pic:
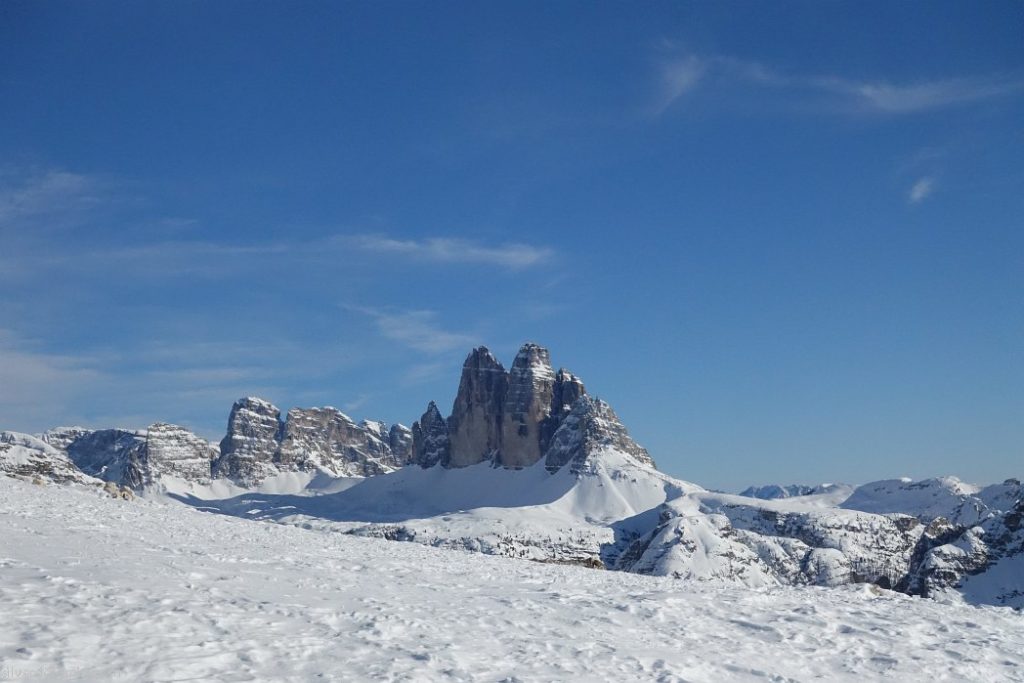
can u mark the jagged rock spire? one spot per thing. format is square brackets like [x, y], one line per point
[527, 406]
[590, 427]
[430, 438]
[475, 422]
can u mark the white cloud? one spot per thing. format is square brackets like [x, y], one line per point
[417, 330]
[678, 78]
[876, 96]
[423, 373]
[452, 250]
[920, 190]
[44, 193]
[893, 98]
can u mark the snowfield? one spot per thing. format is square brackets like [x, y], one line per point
[100, 589]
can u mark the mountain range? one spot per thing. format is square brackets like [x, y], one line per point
[528, 464]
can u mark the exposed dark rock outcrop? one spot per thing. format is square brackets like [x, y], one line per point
[248, 449]
[32, 458]
[514, 419]
[327, 439]
[527, 407]
[400, 440]
[475, 426]
[591, 427]
[431, 443]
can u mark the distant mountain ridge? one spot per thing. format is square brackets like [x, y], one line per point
[258, 446]
[777, 491]
[529, 465]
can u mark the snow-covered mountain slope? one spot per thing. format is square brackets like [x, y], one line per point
[576, 514]
[708, 536]
[927, 499]
[96, 589]
[776, 491]
[32, 458]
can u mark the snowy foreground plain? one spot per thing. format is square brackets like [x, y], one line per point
[98, 589]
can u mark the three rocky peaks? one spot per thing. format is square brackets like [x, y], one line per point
[516, 417]
[510, 418]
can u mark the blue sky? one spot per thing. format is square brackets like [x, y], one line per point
[784, 240]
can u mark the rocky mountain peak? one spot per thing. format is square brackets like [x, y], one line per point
[177, 452]
[475, 422]
[532, 357]
[431, 444]
[253, 435]
[527, 406]
[511, 418]
[590, 428]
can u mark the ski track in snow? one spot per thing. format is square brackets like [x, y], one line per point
[96, 589]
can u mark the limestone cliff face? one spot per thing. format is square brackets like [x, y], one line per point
[247, 450]
[136, 459]
[590, 427]
[35, 459]
[475, 426]
[327, 439]
[115, 455]
[175, 451]
[512, 419]
[259, 445]
[527, 406]
[568, 389]
[431, 443]
[400, 440]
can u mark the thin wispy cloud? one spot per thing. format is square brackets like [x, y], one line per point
[917, 97]
[682, 77]
[678, 78]
[423, 373]
[418, 330]
[510, 255]
[45, 193]
[31, 378]
[40, 389]
[920, 190]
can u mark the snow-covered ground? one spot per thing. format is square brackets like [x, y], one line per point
[100, 589]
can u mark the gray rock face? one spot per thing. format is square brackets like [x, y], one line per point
[115, 455]
[258, 445]
[248, 449]
[568, 388]
[175, 451]
[28, 457]
[475, 425]
[431, 443]
[516, 418]
[400, 440]
[135, 459]
[590, 427]
[527, 406]
[327, 439]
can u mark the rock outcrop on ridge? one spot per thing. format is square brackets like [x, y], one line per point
[32, 458]
[518, 417]
[259, 445]
[136, 459]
